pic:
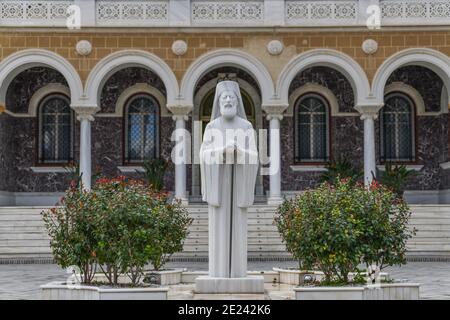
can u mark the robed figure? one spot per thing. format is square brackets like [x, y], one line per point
[229, 166]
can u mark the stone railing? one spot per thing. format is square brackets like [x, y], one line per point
[232, 13]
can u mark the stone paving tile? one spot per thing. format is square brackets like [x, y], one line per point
[23, 281]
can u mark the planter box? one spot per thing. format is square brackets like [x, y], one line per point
[392, 291]
[296, 277]
[388, 291]
[329, 293]
[165, 277]
[61, 291]
[292, 276]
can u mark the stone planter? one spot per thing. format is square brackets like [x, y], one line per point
[296, 276]
[392, 291]
[292, 276]
[164, 277]
[62, 291]
[387, 291]
[329, 293]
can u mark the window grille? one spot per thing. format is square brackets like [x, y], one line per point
[311, 129]
[55, 130]
[397, 129]
[142, 129]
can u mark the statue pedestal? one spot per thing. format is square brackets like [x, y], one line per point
[249, 284]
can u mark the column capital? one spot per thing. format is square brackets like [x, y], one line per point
[271, 116]
[177, 117]
[369, 111]
[85, 112]
[274, 111]
[180, 110]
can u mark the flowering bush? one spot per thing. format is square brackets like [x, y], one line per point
[337, 227]
[120, 226]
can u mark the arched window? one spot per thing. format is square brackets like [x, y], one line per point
[311, 129]
[55, 130]
[397, 128]
[141, 129]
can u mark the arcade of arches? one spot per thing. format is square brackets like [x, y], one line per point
[322, 109]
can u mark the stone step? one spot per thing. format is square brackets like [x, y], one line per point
[23, 236]
[24, 243]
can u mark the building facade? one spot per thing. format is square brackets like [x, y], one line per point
[365, 80]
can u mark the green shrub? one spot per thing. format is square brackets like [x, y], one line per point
[71, 230]
[337, 227]
[128, 224]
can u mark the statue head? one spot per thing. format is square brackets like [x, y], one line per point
[228, 102]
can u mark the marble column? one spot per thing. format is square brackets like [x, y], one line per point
[369, 114]
[181, 157]
[180, 154]
[85, 115]
[274, 116]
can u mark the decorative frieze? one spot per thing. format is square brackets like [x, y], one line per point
[34, 12]
[211, 12]
[304, 12]
[113, 12]
[421, 11]
[176, 13]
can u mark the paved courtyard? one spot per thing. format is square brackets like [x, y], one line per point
[23, 281]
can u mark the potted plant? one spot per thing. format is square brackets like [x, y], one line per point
[342, 168]
[110, 235]
[395, 177]
[154, 171]
[336, 229]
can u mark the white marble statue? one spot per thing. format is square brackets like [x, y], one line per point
[229, 166]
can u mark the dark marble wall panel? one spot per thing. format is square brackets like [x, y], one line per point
[6, 152]
[108, 132]
[25, 155]
[331, 79]
[23, 87]
[124, 79]
[425, 81]
[22, 137]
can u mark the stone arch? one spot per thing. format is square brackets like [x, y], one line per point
[328, 58]
[226, 57]
[26, 59]
[318, 89]
[137, 89]
[254, 95]
[130, 58]
[428, 58]
[412, 93]
[41, 93]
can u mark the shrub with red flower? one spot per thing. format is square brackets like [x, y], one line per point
[336, 228]
[120, 226]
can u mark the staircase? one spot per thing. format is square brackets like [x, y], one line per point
[432, 239]
[23, 236]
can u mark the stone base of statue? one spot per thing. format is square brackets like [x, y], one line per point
[250, 284]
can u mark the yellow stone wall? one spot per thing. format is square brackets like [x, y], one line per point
[105, 42]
